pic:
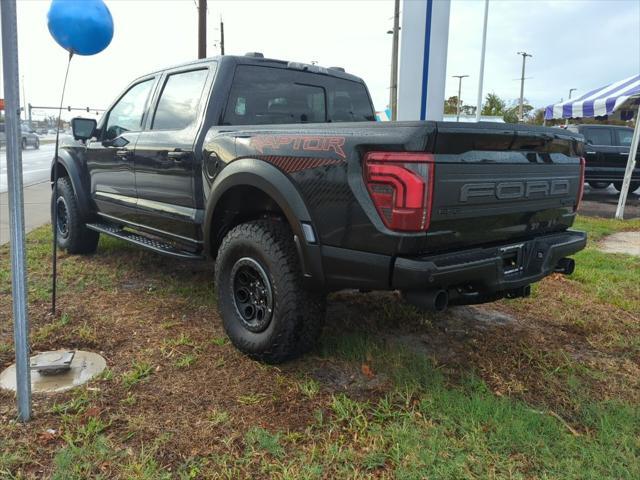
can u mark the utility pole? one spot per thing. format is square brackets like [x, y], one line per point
[482, 54]
[202, 28]
[459, 77]
[524, 60]
[221, 37]
[393, 84]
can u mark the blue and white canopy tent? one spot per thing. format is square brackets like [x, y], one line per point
[620, 99]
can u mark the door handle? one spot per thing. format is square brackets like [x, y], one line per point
[177, 155]
[591, 153]
[123, 154]
[624, 153]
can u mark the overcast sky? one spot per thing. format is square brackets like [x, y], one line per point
[574, 43]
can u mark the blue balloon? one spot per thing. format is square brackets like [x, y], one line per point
[83, 27]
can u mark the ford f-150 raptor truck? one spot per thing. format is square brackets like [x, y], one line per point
[279, 171]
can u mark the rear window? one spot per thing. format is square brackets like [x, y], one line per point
[598, 136]
[265, 95]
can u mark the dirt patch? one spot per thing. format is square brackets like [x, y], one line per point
[622, 242]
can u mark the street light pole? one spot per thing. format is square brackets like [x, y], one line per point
[459, 77]
[202, 28]
[524, 60]
[221, 37]
[393, 84]
[482, 54]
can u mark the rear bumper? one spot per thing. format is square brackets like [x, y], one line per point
[484, 270]
[478, 271]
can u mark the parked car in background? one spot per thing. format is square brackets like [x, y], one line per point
[606, 154]
[29, 137]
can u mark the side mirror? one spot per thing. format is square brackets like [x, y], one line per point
[83, 128]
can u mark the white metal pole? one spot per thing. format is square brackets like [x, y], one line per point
[482, 54]
[631, 165]
[16, 206]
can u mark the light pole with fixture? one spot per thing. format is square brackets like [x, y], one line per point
[459, 77]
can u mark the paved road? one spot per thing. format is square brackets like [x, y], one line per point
[35, 165]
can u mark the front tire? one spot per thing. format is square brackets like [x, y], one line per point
[265, 311]
[37, 144]
[73, 235]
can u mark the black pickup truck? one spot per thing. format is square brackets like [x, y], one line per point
[606, 154]
[279, 171]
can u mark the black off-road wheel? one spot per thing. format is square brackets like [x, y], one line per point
[73, 235]
[633, 186]
[265, 311]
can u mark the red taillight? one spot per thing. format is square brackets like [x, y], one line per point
[401, 187]
[581, 185]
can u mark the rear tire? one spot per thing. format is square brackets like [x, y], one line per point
[265, 311]
[24, 144]
[73, 235]
[37, 144]
[633, 186]
[599, 185]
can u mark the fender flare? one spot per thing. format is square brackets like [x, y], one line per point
[76, 174]
[267, 178]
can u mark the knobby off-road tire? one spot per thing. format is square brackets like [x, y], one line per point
[73, 235]
[258, 259]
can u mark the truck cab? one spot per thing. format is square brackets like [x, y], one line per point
[606, 153]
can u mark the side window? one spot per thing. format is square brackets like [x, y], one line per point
[180, 100]
[598, 136]
[126, 115]
[624, 137]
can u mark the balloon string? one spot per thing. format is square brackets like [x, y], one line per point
[54, 205]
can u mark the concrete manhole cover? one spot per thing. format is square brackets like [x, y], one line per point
[622, 242]
[83, 367]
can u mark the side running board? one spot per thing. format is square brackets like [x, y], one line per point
[157, 246]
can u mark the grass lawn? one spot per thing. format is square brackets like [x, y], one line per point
[538, 388]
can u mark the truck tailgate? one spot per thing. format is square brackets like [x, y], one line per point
[496, 183]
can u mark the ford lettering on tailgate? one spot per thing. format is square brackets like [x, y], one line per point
[514, 190]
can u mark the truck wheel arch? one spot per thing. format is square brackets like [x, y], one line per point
[267, 179]
[67, 167]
